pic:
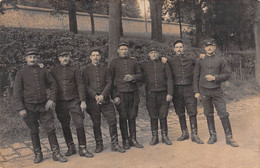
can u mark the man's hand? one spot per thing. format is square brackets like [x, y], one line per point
[83, 106]
[50, 105]
[210, 78]
[202, 56]
[197, 96]
[128, 78]
[117, 101]
[23, 113]
[168, 98]
[100, 99]
[164, 60]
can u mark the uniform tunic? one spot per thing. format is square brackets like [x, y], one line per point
[30, 94]
[126, 91]
[211, 92]
[70, 93]
[182, 67]
[159, 83]
[97, 80]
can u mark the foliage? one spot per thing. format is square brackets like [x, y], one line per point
[229, 22]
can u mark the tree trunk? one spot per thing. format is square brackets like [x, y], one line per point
[72, 16]
[179, 13]
[114, 28]
[156, 12]
[121, 23]
[257, 42]
[198, 22]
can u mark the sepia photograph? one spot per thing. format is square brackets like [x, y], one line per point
[130, 83]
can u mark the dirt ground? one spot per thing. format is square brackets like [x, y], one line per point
[245, 121]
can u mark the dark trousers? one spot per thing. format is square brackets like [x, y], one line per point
[106, 108]
[70, 109]
[36, 113]
[128, 108]
[157, 105]
[211, 98]
[183, 96]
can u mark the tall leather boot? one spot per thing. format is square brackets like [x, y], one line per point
[228, 132]
[132, 130]
[184, 129]
[154, 129]
[194, 130]
[56, 156]
[98, 138]
[114, 139]
[69, 141]
[212, 130]
[82, 143]
[37, 148]
[164, 131]
[124, 133]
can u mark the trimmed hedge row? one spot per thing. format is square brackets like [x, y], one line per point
[14, 41]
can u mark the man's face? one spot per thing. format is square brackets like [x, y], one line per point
[95, 57]
[154, 55]
[123, 51]
[178, 48]
[64, 59]
[31, 59]
[210, 49]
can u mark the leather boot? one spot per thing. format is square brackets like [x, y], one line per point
[194, 130]
[124, 133]
[69, 140]
[71, 150]
[132, 130]
[164, 131]
[56, 156]
[37, 148]
[114, 139]
[98, 138]
[228, 132]
[82, 143]
[212, 130]
[184, 129]
[154, 129]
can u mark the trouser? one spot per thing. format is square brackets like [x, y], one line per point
[157, 105]
[108, 111]
[211, 98]
[128, 111]
[67, 110]
[36, 113]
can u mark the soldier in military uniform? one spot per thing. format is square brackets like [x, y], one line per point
[159, 90]
[182, 66]
[32, 103]
[70, 102]
[98, 83]
[209, 73]
[125, 73]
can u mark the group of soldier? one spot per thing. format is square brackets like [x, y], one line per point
[180, 78]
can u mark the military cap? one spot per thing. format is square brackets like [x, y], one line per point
[153, 49]
[122, 44]
[30, 51]
[208, 41]
[63, 51]
[177, 41]
[95, 49]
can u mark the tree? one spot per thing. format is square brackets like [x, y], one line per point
[257, 41]
[114, 28]
[69, 5]
[89, 7]
[156, 17]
